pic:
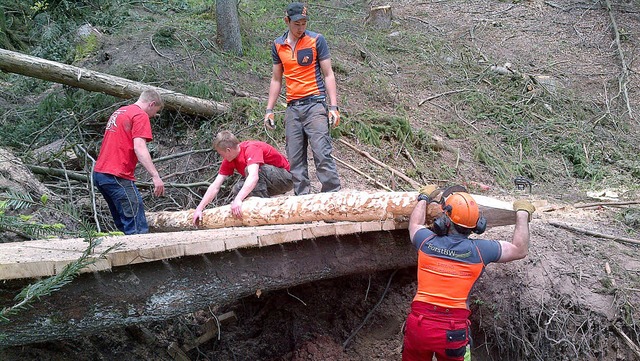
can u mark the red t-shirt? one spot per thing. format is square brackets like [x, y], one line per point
[254, 152]
[117, 156]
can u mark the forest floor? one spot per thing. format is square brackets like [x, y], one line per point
[573, 298]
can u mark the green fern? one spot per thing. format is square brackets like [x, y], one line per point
[30, 230]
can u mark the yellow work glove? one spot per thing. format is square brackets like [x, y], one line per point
[524, 205]
[334, 116]
[269, 119]
[427, 189]
[431, 190]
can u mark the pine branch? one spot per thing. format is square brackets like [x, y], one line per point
[18, 201]
[46, 287]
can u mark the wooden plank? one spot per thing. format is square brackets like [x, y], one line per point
[348, 228]
[390, 225]
[280, 237]
[26, 270]
[42, 258]
[319, 229]
[176, 353]
[212, 246]
[372, 226]
[211, 330]
[249, 240]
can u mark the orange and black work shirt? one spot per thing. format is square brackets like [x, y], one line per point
[301, 64]
[449, 266]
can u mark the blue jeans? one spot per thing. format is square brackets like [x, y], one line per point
[125, 202]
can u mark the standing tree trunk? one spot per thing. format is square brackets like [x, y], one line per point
[228, 26]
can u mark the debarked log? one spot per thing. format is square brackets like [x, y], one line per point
[354, 206]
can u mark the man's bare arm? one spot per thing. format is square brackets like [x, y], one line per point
[142, 152]
[416, 220]
[518, 248]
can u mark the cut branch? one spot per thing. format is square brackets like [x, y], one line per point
[371, 179]
[393, 170]
[627, 340]
[80, 177]
[594, 234]
[624, 77]
[606, 204]
[442, 94]
[32, 66]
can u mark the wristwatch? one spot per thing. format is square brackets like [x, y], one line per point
[423, 197]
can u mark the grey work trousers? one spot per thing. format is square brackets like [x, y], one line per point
[271, 181]
[309, 125]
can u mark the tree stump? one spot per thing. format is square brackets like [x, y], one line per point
[380, 17]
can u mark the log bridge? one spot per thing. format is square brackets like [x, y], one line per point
[279, 243]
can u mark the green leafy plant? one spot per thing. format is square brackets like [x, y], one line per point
[164, 37]
[372, 127]
[630, 217]
[87, 47]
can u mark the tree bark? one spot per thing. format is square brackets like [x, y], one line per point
[354, 206]
[228, 26]
[380, 17]
[32, 66]
[155, 291]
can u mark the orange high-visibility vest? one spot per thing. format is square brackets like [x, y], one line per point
[449, 266]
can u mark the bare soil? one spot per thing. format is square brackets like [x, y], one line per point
[572, 298]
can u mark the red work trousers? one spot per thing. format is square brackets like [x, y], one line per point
[435, 330]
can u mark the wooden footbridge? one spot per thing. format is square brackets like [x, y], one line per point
[157, 276]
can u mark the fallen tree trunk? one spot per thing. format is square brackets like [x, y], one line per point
[155, 291]
[13, 62]
[354, 206]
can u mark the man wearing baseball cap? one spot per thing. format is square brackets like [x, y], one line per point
[302, 57]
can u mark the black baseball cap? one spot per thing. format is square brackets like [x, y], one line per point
[296, 11]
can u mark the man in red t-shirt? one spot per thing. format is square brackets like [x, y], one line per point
[124, 144]
[265, 172]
